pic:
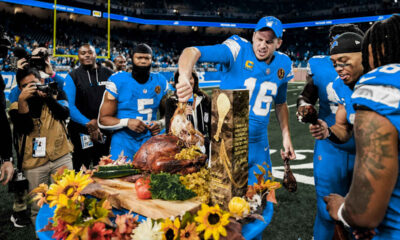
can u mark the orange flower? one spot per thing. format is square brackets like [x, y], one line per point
[190, 233]
[99, 232]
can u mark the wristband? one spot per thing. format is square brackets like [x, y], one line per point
[54, 74]
[340, 216]
[161, 122]
[123, 122]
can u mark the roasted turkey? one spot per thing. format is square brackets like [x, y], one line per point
[158, 155]
[183, 129]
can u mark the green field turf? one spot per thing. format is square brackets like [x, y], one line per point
[293, 215]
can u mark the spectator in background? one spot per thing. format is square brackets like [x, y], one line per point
[85, 87]
[109, 64]
[39, 120]
[120, 63]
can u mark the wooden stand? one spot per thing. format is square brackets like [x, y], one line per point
[229, 145]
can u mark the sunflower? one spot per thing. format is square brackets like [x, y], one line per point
[212, 220]
[70, 186]
[170, 229]
[189, 233]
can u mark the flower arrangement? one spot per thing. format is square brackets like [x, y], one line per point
[77, 216]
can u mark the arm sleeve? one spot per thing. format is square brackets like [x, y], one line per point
[59, 107]
[111, 87]
[70, 91]
[219, 53]
[23, 123]
[281, 96]
[60, 80]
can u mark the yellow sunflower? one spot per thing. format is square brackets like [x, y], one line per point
[189, 233]
[170, 229]
[212, 220]
[69, 186]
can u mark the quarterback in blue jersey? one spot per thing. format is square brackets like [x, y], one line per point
[333, 163]
[254, 66]
[259, 68]
[130, 104]
[373, 200]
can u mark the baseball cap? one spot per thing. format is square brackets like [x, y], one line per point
[272, 23]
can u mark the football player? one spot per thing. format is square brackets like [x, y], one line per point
[373, 200]
[257, 67]
[130, 104]
[262, 70]
[333, 163]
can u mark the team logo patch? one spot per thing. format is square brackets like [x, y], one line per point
[145, 91]
[249, 65]
[157, 89]
[268, 71]
[281, 73]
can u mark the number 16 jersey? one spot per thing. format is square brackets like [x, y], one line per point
[242, 70]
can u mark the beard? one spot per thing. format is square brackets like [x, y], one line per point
[141, 73]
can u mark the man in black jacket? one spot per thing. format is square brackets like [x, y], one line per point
[7, 169]
[84, 87]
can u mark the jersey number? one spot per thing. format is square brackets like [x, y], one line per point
[262, 98]
[143, 110]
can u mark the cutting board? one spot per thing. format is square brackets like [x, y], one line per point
[122, 194]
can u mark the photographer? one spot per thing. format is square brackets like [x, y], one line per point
[39, 126]
[7, 168]
[39, 60]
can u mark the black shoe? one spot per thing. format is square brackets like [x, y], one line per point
[20, 219]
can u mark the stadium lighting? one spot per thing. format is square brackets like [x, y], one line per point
[370, 23]
[395, 1]
[284, 30]
[18, 10]
[306, 28]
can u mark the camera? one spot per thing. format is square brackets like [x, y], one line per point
[19, 183]
[48, 88]
[5, 43]
[37, 61]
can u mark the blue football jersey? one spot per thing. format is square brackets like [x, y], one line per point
[344, 97]
[135, 100]
[323, 73]
[321, 69]
[379, 90]
[265, 82]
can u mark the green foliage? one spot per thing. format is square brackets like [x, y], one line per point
[168, 187]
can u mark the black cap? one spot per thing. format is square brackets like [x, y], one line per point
[346, 43]
[143, 48]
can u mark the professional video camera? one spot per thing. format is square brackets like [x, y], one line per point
[37, 61]
[48, 88]
[5, 43]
